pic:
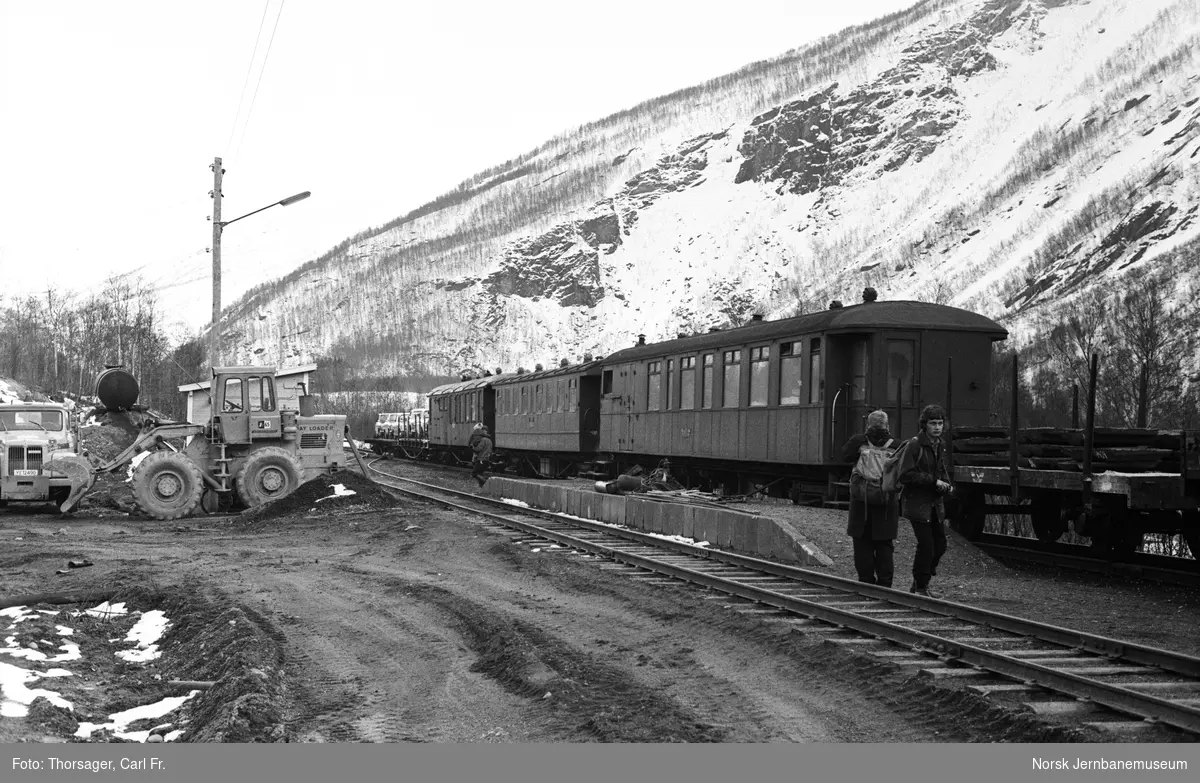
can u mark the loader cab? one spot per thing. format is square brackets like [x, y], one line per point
[245, 407]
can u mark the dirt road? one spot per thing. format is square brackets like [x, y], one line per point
[413, 623]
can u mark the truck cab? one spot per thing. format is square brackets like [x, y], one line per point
[32, 434]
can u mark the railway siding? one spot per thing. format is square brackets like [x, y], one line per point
[724, 528]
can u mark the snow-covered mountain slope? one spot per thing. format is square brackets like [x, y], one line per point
[998, 155]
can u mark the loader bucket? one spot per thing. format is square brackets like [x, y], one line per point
[79, 470]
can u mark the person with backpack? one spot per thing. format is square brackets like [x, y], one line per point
[925, 480]
[874, 514]
[481, 447]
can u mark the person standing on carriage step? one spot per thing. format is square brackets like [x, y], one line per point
[482, 453]
[874, 515]
[925, 481]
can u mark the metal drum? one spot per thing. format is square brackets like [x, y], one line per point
[117, 389]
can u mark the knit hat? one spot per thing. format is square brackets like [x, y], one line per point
[877, 419]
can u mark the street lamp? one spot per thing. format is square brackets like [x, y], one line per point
[218, 227]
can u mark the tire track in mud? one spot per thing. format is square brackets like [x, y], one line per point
[589, 698]
[363, 671]
[800, 689]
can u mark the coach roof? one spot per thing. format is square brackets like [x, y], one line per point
[856, 318]
[571, 369]
[474, 383]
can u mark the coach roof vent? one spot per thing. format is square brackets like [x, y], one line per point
[681, 335]
[714, 329]
[641, 339]
[870, 294]
[756, 318]
[836, 304]
[587, 357]
[564, 363]
[538, 367]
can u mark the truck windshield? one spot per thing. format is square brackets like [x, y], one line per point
[48, 420]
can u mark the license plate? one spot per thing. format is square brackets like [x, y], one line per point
[25, 472]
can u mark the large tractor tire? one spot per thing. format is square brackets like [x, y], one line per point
[167, 485]
[268, 474]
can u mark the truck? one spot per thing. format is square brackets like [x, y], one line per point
[252, 448]
[32, 435]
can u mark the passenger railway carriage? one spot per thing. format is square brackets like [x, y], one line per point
[776, 400]
[549, 422]
[454, 410]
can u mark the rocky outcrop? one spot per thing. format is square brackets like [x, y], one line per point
[563, 264]
[560, 265]
[823, 139]
[1125, 244]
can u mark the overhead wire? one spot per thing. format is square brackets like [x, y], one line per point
[249, 70]
[257, 84]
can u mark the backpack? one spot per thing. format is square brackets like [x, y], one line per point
[866, 480]
[891, 468]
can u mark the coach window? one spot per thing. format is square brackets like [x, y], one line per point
[760, 364]
[524, 399]
[790, 383]
[571, 395]
[606, 382]
[900, 370]
[667, 384]
[687, 383]
[815, 382]
[733, 379]
[653, 385]
[859, 373]
[706, 382]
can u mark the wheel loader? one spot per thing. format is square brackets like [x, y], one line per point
[250, 451]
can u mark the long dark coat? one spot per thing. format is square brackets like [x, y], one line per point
[879, 522]
[924, 463]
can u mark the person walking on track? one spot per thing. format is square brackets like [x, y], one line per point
[481, 448]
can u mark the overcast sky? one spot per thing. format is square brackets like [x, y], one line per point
[113, 112]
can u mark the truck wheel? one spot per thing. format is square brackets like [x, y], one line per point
[268, 474]
[167, 485]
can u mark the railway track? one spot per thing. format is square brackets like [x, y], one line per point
[1155, 568]
[1103, 683]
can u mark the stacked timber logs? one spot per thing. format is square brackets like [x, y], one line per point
[1118, 450]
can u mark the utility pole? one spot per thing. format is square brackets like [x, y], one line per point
[214, 338]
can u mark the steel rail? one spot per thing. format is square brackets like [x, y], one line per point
[1132, 569]
[645, 552]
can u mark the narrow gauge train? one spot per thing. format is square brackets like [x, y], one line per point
[765, 407]
[762, 407]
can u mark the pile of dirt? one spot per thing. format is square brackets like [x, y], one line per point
[338, 493]
[105, 441]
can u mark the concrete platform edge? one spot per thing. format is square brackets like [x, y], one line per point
[727, 529]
